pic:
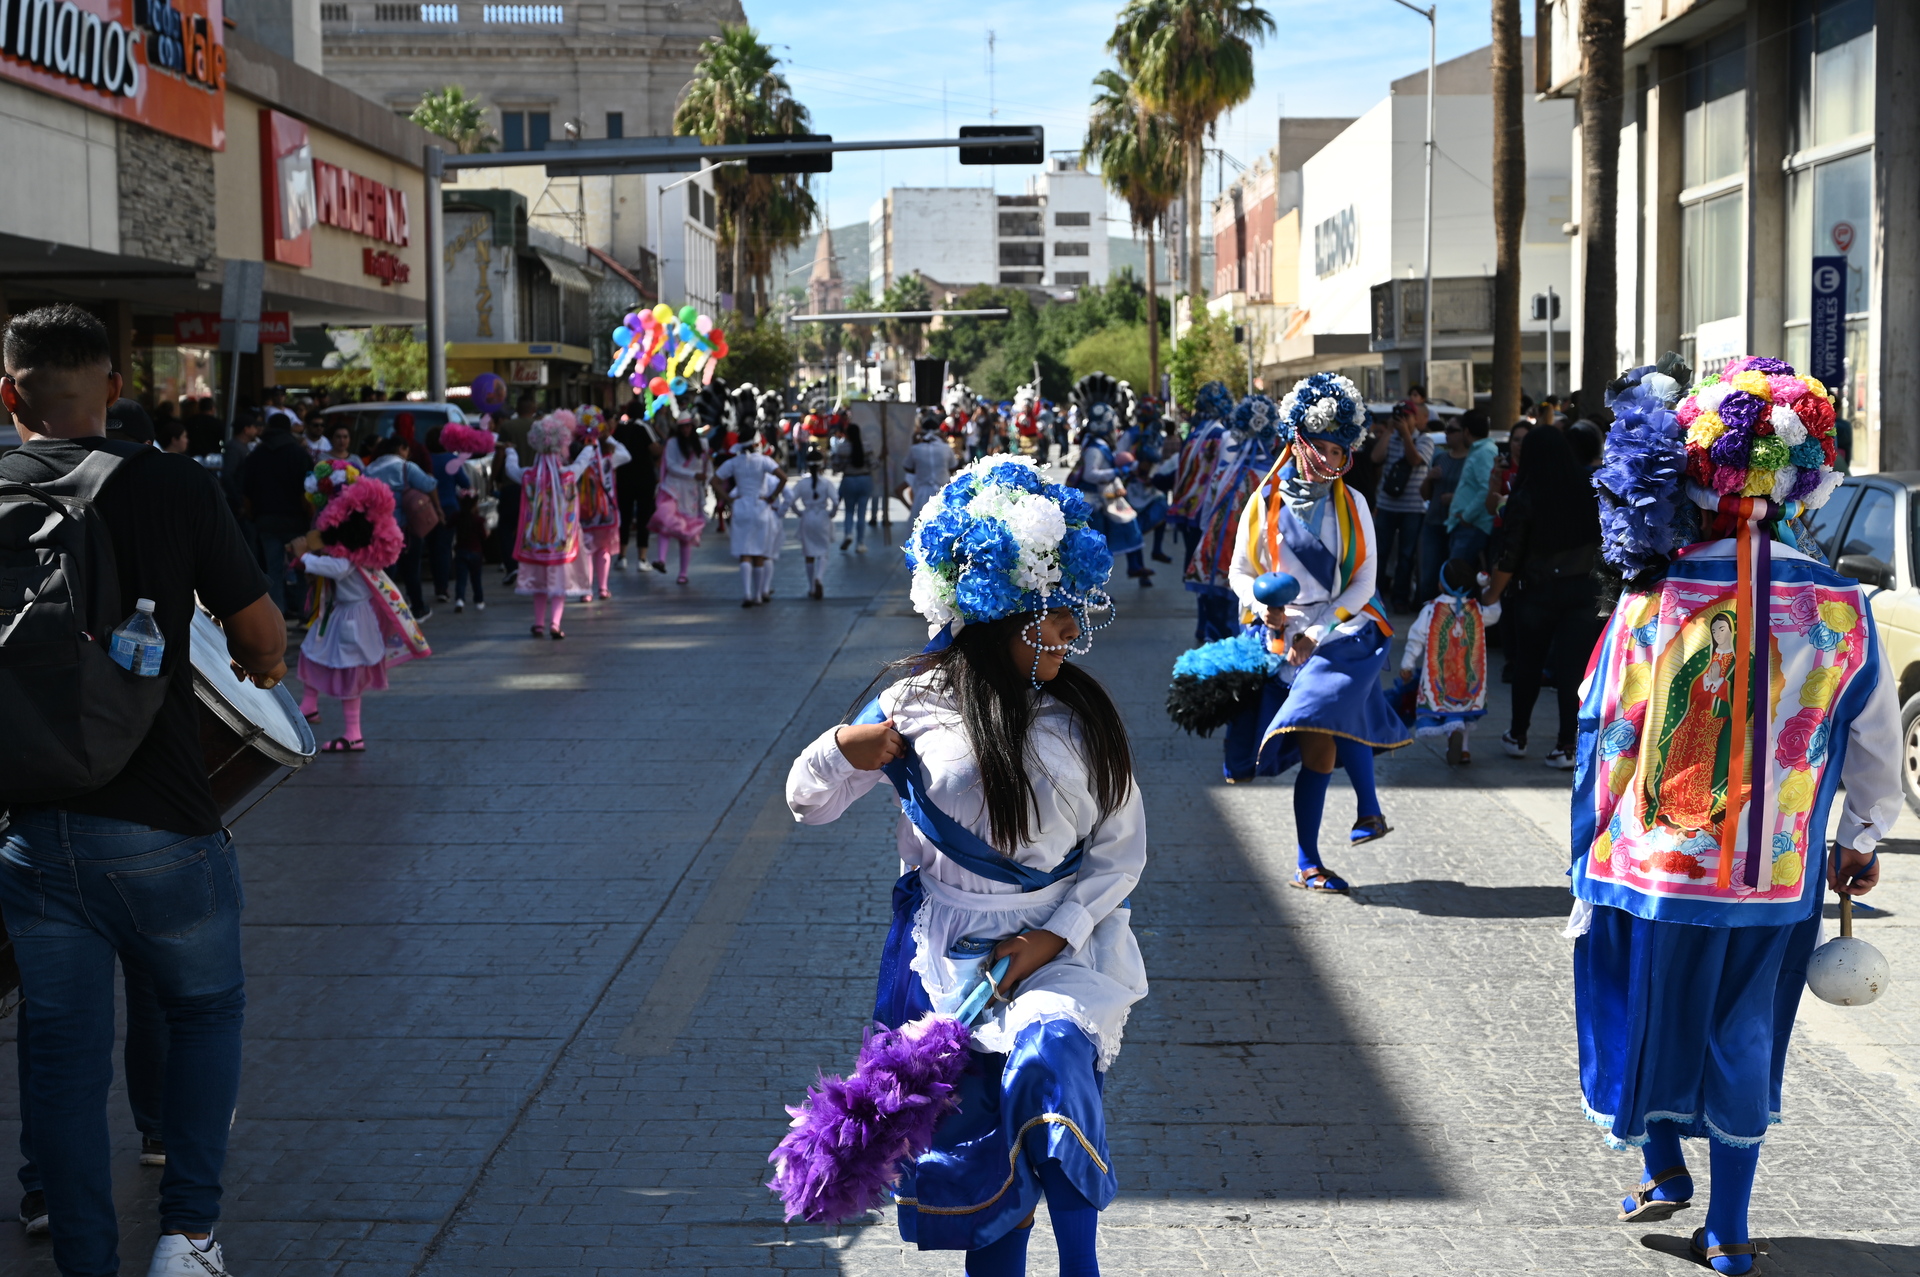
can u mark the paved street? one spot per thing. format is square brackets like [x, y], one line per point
[531, 979]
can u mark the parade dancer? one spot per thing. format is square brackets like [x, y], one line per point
[1101, 474]
[929, 462]
[680, 502]
[360, 623]
[1305, 522]
[1243, 456]
[1705, 776]
[753, 482]
[1024, 836]
[599, 503]
[549, 534]
[1446, 650]
[1212, 407]
[817, 500]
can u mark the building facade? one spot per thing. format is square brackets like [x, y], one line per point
[1052, 237]
[1757, 137]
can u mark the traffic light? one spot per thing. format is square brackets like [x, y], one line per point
[1024, 144]
[1541, 308]
[805, 162]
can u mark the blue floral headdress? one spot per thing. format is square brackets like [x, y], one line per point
[1000, 540]
[1324, 406]
[1212, 402]
[1256, 417]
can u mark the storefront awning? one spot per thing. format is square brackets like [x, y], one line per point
[565, 273]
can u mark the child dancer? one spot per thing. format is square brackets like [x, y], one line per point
[1448, 646]
[680, 501]
[753, 529]
[1304, 521]
[818, 500]
[360, 623]
[599, 503]
[549, 535]
[1035, 839]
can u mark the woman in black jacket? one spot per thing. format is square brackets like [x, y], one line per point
[1552, 524]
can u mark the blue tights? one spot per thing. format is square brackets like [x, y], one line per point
[1732, 1196]
[1076, 1221]
[1310, 796]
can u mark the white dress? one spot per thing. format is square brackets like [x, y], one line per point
[753, 526]
[351, 636]
[817, 500]
[1099, 975]
[686, 482]
[928, 467]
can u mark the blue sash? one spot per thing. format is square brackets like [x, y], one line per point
[954, 840]
[1309, 551]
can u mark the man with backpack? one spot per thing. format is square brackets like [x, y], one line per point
[113, 846]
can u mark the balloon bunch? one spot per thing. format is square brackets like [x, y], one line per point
[665, 355]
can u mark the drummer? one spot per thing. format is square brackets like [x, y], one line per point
[173, 536]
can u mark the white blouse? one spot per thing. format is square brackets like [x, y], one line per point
[1315, 612]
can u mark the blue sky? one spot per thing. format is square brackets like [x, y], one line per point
[881, 70]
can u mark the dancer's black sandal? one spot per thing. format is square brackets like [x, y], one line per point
[1707, 1254]
[1648, 1209]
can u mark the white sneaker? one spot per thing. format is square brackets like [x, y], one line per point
[176, 1256]
[1562, 760]
[479, 607]
[459, 605]
[1514, 748]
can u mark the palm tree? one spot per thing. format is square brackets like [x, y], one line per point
[859, 333]
[1603, 28]
[1139, 159]
[1191, 61]
[457, 117]
[909, 292]
[1509, 208]
[736, 92]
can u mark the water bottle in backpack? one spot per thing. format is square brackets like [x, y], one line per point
[138, 644]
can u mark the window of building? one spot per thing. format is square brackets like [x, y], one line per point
[522, 14]
[1073, 219]
[1018, 224]
[1023, 276]
[1713, 213]
[1832, 70]
[1073, 278]
[1712, 235]
[1715, 127]
[616, 124]
[1072, 248]
[1022, 254]
[707, 210]
[525, 130]
[333, 13]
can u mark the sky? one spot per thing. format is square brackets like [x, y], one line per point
[874, 69]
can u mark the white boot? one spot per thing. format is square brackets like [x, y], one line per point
[176, 1256]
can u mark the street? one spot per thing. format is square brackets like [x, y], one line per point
[531, 979]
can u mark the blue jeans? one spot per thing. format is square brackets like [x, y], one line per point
[77, 892]
[1401, 530]
[855, 491]
[1433, 553]
[1464, 541]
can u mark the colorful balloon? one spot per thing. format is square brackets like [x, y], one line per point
[703, 325]
[689, 315]
[678, 386]
[663, 312]
[622, 335]
[658, 385]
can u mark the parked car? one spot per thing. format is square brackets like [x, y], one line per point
[375, 420]
[1868, 532]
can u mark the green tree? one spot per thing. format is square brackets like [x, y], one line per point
[1139, 159]
[1190, 61]
[760, 353]
[1119, 352]
[859, 332]
[1206, 352]
[388, 358]
[457, 116]
[737, 92]
[908, 336]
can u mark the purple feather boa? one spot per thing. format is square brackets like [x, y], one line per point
[851, 1134]
[1641, 482]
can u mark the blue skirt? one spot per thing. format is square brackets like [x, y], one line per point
[1337, 692]
[1039, 1102]
[1686, 1024]
[1123, 535]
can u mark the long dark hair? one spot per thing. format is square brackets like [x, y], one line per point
[996, 701]
[856, 446]
[1558, 492]
[692, 445]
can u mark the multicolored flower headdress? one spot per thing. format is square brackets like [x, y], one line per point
[1324, 406]
[553, 432]
[1756, 429]
[999, 540]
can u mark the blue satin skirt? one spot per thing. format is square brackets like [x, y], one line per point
[1686, 1024]
[1338, 692]
[1123, 535]
[1038, 1102]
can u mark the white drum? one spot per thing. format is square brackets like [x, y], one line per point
[250, 739]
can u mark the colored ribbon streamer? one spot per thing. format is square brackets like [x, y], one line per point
[1748, 701]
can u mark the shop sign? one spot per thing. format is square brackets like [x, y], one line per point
[202, 327]
[1336, 243]
[384, 266]
[360, 204]
[141, 60]
[527, 372]
[287, 199]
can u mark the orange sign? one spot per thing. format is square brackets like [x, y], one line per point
[360, 204]
[286, 180]
[142, 60]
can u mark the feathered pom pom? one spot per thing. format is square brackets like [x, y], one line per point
[851, 1134]
[1642, 481]
[1242, 653]
[1215, 682]
[459, 438]
[553, 432]
[374, 499]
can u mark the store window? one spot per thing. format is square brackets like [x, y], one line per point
[1830, 178]
[1713, 203]
[525, 130]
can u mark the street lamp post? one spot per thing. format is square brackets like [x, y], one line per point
[1426, 322]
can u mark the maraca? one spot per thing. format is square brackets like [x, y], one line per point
[1276, 589]
[1845, 971]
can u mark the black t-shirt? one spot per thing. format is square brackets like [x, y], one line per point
[173, 537]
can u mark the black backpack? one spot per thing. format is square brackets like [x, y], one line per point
[70, 717]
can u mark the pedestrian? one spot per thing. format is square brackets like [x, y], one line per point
[817, 499]
[391, 467]
[1699, 880]
[855, 468]
[1469, 516]
[1403, 451]
[1305, 522]
[1552, 538]
[205, 436]
[634, 483]
[246, 432]
[753, 528]
[469, 554]
[928, 465]
[170, 435]
[340, 443]
[95, 869]
[1443, 475]
[1245, 453]
[1446, 654]
[361, 622]
[548, 538]
[1033, 837]
[127, 420]
[680, 500]
[512, 432]
[599, 496]
[1101, 475]
[450, 481]
[273, 494]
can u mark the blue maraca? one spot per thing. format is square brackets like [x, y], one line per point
[1276, 589]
